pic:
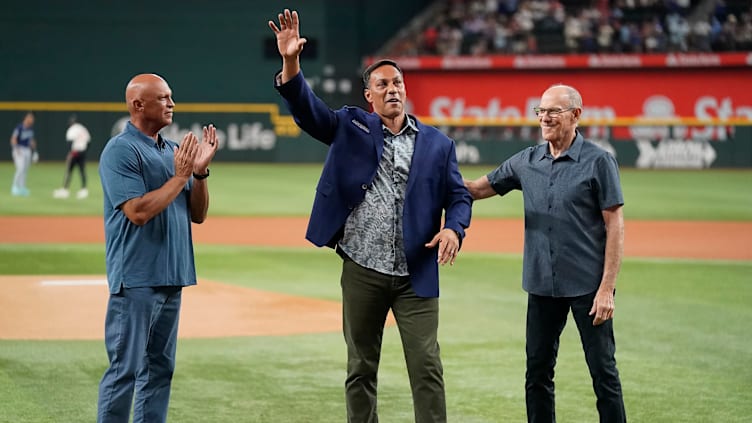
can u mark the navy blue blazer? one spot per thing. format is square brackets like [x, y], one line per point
[356, 141]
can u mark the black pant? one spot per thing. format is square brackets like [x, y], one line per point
[77, 159]
[546, 318]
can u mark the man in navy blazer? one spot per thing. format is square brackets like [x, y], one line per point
[386, 182]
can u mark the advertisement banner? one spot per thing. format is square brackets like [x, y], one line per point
[573, 61]
[641, 94]
[685, 93]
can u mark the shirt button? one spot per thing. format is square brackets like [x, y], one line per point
[364, 186]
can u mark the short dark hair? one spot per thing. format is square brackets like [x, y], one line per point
[369, 70]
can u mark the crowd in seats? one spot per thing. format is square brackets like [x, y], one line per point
[481, 27]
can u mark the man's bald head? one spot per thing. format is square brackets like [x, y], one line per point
[140, 85]
[149, 101]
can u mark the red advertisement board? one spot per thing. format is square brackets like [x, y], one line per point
[574, 61]
[607, 94]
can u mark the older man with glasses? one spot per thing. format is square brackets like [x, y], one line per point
[574, 237]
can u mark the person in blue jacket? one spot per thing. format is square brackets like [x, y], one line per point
[385, 185]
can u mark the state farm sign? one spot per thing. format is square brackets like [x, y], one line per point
[689, 93]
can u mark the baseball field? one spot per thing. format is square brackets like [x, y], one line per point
[259, 335]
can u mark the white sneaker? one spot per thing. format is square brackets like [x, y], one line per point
[60, 193]
[82, 193]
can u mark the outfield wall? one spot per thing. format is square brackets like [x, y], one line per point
[219, 58]
[271, 136]
[61, 58]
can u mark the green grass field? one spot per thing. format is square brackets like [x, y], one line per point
[287, 190]
[683, 344]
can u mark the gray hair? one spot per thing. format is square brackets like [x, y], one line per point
[575, 99]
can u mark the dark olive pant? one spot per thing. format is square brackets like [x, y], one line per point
[546, 317]
[367, 297]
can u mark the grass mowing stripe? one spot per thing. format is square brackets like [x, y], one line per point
[682, 343]
[263, 189]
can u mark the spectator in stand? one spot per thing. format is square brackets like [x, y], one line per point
[430, 38]
[474, 27]
[744, 33]
[726, 40]
[678, 31]
[653, 36]
[573, 32]
[700, 35]
[605, 37]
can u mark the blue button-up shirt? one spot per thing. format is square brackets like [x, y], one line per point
[565, 235]
[159, 253]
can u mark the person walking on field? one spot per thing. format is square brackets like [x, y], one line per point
[22, 144]
[79, 137]
[574, 242]
[153, 189]
[385, 184]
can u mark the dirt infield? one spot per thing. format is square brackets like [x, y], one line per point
[73, 307]
[70, 307]
[670, 239]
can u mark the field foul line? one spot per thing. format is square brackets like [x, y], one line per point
[74, 282]
[669, 260]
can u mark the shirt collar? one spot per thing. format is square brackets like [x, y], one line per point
[573, 152]
[411, 126]
[132, 130]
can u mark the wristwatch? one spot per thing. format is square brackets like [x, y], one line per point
[200, 177]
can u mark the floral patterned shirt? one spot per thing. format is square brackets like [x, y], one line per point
[373, 232]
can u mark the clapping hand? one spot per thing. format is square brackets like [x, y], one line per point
[206, 150]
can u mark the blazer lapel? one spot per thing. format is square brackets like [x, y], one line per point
[377, 134]
[418, 162]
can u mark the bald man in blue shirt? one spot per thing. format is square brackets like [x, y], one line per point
[153, 190]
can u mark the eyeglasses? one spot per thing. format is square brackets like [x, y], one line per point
[539, 111]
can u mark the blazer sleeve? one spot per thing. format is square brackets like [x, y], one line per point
[310, 113]
[458, 207]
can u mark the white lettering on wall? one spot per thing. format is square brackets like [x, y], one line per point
[446, 107]
[723, 108]
[245, 136]
[673, 153]
[250, 137]
[467, 153]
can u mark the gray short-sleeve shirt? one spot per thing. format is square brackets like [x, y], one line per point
[565, 234]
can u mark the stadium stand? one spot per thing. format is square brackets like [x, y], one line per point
[481, 27]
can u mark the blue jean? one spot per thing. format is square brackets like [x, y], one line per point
[22, 160]
[546, 318]
[141, 330]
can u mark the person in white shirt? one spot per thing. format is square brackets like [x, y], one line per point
[79, 138]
